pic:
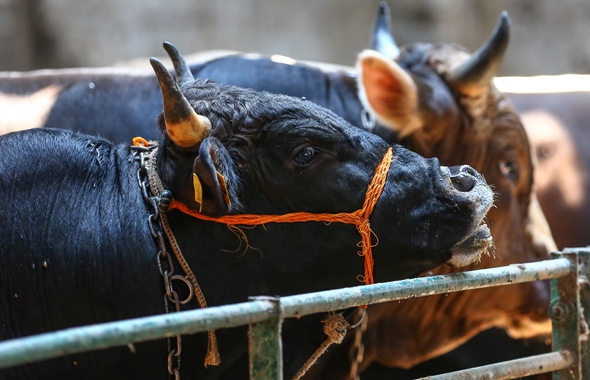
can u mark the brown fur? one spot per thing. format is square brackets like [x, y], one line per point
[486, 133]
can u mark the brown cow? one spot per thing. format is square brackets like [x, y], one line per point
[555, 112]
[482, 128]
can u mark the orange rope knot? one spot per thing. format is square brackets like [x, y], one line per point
[360, 218]
[140, 141]
[335, 327]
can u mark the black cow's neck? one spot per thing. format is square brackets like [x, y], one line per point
[90, 254]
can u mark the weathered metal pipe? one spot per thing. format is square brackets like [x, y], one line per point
[100, 336]
[511, 369]
[325, 301]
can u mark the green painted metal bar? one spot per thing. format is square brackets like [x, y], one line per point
[511, 369]
[565, 317]
[81, 339]
[265, 344]
[329, 300]
[584, 288]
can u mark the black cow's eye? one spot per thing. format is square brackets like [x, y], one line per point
[305, 156]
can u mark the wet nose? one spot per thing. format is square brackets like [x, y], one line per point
[464, 177]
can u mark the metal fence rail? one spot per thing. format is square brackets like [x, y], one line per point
[532, 365]
[265, 316]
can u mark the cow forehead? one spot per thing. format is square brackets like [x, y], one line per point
[491, 114]
[239, 112]
[441, 58]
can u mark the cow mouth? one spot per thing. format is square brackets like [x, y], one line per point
[470, 249]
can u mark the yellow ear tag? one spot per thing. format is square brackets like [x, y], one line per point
[223, 185]
[198, 191]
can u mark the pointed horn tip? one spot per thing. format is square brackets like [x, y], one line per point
[157, 65]
[504, 16]
[162, 72]
[383, 8]
[169, 47]
[155, 62]
[505, 21]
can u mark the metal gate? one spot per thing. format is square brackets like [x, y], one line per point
[570, 297]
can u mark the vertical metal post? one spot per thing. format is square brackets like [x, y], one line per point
[265, 345]
[565, 315]
[584, 286]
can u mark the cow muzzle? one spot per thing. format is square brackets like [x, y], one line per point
[468, 183]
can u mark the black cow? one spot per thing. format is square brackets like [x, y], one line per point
[114, 103]
[439, 101]
[76, 248]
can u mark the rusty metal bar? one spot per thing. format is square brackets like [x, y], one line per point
[511, 369]
[100, 336]
[265, 345]
[566, 318]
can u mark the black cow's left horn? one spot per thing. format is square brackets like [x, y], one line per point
[475, 74]
[382, 38]
[185, 127]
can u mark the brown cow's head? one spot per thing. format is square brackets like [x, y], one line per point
[441, 102]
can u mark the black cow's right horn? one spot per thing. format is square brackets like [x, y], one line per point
[382, 38]
[183, 72]
[185, 127]
[474, 75]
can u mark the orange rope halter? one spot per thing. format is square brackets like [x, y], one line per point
[360, 218]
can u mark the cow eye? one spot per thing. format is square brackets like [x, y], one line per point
[305, 156]
[509, 168]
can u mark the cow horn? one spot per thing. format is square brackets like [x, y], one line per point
[183, 72]
[185, 127]
[382, 39]
[475, 74]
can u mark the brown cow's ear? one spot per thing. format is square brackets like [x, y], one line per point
[212, 178]
[389, 92]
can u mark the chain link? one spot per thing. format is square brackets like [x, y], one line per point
[164, 259]
[368, 120]
[357, 350]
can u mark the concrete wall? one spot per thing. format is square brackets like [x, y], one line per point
[549, 36]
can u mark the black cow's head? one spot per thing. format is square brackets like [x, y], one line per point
[230, 150]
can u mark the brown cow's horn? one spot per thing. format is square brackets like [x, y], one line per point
[382, 38]
[475, 73]
[185, 127]
[183, 72]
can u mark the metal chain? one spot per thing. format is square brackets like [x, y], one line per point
[368, 120]
[164, 259]
[357, 350]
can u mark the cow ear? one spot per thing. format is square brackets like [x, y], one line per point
[389, 92]
[213, 179]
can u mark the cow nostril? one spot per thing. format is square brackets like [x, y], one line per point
[469, 170]
[463, 177]
[463, 183]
